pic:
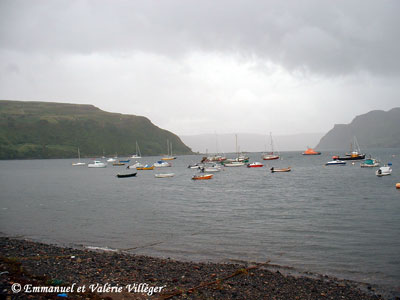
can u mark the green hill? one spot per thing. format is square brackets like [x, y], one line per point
[376, 129]
[56, 130]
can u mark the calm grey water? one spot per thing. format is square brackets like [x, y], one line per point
[337, 220]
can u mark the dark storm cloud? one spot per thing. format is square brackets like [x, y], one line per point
[324, 37]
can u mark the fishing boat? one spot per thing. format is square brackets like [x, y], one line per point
[355, 152]
[164, 175]
[126, 175]
[255, 165]
[311, 151]
[383, 171]
[273, 170]
[169, 155]
[271, 155]
[162, 164]
[97, 164]
[146, 167]
[136, 165]
[137, 154]
[79, 163]
[202, 177]
[370, 163]
[335, 162]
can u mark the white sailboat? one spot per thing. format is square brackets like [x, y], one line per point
[79, 163]
[271, 155]
[169, 156]
[235, 162]
[138, 154]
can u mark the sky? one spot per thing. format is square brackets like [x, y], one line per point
[207, 66]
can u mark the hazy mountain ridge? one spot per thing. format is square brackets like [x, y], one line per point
[250, 142]
[55, 130]
[375, 129]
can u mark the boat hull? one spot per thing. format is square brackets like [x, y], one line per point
[126, 175]
[202, 177]
[164, 175]
[274, 170]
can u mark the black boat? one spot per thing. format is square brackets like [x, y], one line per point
[126, 175]
[353, 156]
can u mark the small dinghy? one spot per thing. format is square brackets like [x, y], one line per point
[164, 175]
[202, 177]
[273, 170]
[383, 171]
[335, 162]
[126, 175]
[146, 167]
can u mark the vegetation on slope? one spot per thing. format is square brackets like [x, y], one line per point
[56, 130]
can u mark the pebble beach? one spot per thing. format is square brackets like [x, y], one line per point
[71, 273]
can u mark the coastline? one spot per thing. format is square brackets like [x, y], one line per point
[37, 264]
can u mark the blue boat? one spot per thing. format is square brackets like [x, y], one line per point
[125, 161]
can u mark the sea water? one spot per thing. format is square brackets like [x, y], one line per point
[337, 220]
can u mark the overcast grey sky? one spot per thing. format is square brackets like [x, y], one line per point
[206, 66]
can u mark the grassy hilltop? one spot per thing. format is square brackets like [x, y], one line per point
[56, 130]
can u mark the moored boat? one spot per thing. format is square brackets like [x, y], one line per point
[125, 161]
[137, 154]
[146, 167]
[79, 163]
[335, 162]
[255, 165]
[135, 166]
[202, 177]
[311, 151]
[355, 153]
[370, 163]
[164, 175]
[97, 164]
[162, 164]
[234, 164]
[271, 155]
[119, 164]
[383, 171]
[126, 175]
[273, 170]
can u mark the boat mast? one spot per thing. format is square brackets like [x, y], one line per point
[79, 155]
[272, 144]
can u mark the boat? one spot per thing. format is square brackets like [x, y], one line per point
[383, 171]
[111, 160]
[97, 164]
[335, 162]
[195, 166]
[355, 153]
[255, 165]
[137, 154]
[311, 151]
[370, 163]
[135, 166]
[79, 163]
[202, 177]
[234, 164]
[271, 155]
[125, 161]
[398, 185]
[146, 167]
[164, 175]
[162, 164]
[273, 170]
[213, 168]
[126, 175]
[119, 164]
[169, 155]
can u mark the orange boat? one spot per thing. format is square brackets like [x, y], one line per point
[202, 177]
[311, 151]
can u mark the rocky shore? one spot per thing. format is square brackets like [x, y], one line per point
[83, 274]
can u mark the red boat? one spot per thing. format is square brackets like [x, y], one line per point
[255, 165]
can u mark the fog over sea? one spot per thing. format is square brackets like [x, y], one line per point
[336, 220]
